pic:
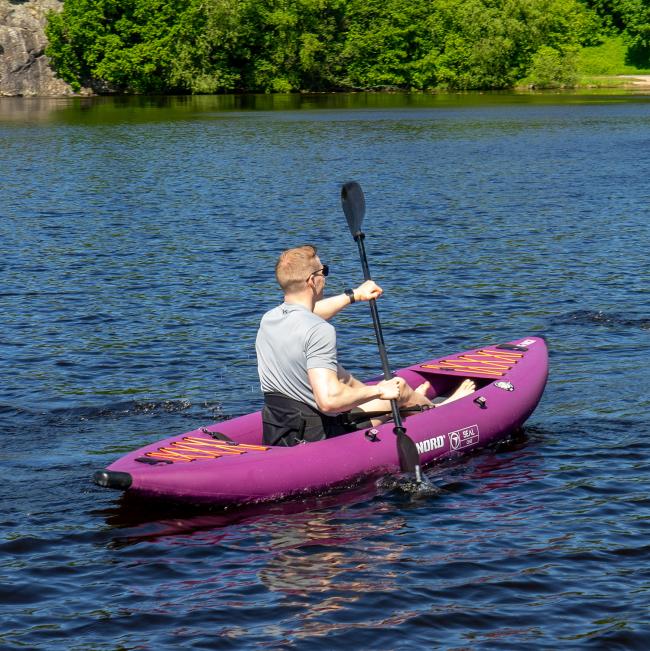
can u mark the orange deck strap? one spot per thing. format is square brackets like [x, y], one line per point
[197, 453]
[209, 453]
[225, 444]
[169, 455]
[487, 362]
[190, 446]
[176, 455]
[462, 365]
[192, 453]
[464, 369]
[194, 448]
[490, 363]
[500, 354]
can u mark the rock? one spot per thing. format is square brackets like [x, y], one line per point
[24, 68]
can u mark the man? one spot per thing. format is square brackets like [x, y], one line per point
[305, 389]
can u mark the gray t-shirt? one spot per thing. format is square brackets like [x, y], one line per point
[290, 340]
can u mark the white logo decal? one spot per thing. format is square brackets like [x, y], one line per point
[527, 342]
[434, 443]
[505, 385]
[463, 438]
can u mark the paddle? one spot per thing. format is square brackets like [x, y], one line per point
[354, 207]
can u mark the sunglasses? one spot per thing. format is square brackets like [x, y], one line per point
[323, 271]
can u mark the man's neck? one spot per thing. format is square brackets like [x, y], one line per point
[304, 299]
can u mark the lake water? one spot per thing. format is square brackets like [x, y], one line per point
[137, 241]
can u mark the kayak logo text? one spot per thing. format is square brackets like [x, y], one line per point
[463, 438]
[434, 443]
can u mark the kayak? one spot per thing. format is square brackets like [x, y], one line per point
[226, 463]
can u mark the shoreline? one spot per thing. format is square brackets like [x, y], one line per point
[622, 82]
[635, 81]
[588, 82]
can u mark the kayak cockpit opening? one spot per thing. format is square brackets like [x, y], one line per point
[442, 385]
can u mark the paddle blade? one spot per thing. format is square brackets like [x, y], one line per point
[354, 206]
[409, 458]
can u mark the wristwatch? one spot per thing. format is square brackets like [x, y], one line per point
[350, 294]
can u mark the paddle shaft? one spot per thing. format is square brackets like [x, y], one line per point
[397, 418]
[354, 207]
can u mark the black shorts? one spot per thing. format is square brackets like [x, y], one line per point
[288, 422]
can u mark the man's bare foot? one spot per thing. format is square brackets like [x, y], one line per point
[466, 387]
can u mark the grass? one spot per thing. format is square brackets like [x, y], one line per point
[596, 67]
[607, 59]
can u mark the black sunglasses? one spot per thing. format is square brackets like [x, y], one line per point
[324, 271]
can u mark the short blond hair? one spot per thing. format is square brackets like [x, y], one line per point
[294, 266]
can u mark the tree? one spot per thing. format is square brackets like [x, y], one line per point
[209, 46]
[636, 17]
[551, 68]
[491, 43]
[116, 45]
[384, 41]
[296, 44]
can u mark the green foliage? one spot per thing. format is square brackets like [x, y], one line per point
[385, 40]
[209, 46]
[608, 58]
[551, 68]
[295, 44]
[631, 18]
[119, 45]
[637, 31]
[479, 43]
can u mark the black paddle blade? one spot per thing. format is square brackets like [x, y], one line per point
[354, 206]
[409, 458]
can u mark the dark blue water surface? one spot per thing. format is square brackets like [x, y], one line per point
[137, 241]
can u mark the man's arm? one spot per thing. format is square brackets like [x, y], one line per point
[326, 308]
[334, 394]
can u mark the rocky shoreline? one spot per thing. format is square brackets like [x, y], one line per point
[24, 68]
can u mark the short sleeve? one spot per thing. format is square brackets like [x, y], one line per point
[320, 347]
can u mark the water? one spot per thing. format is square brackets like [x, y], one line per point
[137, 240]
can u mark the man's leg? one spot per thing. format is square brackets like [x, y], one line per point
[414, 398]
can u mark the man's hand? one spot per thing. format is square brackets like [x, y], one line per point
[391, 389]
[326, 308]
[367, 290]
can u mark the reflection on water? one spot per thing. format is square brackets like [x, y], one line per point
[134, 519]
[107, 110]
[313, 553]
[320, 554]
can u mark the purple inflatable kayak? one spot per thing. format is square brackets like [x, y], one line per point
[226, 463]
